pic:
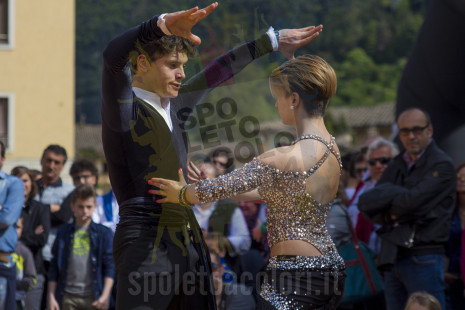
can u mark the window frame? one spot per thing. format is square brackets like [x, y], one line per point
[10, 44]
[10, 97]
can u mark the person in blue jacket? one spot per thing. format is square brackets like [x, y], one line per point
[82, 270]
[11, 205]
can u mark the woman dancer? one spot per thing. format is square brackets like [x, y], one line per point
[297, 183]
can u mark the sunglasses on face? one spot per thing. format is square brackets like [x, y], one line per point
[360, 170]
[417, 130]
[382, 161]
[220, 163]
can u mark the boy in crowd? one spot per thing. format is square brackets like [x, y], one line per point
[84, 171]
[82, 271]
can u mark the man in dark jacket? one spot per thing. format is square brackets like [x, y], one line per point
[413, 200]
[143, 120]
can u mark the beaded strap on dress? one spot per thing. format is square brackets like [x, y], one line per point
[330, 149]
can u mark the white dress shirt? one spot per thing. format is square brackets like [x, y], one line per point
[154, 100]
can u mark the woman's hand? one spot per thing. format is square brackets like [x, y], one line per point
[180, 23]
[292, 39]
[167, 188]
[194, 174]
[39, 229]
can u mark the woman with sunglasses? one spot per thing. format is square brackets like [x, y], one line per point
[297, 182]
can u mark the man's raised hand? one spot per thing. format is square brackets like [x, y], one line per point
[180, 23]
[292, 39]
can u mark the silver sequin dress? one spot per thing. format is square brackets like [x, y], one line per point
[292, 215]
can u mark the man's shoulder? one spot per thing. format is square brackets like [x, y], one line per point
[65, 191]
[12, 180]
[67, 187]
[436, 154]
[65, 229]
[58, 187]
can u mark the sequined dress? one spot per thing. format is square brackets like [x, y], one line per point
[292, 215]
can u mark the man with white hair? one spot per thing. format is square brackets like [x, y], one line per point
[380, 153]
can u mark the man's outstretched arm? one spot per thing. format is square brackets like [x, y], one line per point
[116, 81]
[227, 65]
[180, 23]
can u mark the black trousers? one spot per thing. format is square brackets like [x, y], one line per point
[168, 276]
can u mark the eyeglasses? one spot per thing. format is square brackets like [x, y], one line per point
[360, 170]
[82, 176]
[220, 163]
[382, 161]
[417, 130]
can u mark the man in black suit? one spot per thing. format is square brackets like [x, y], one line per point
[158, 248]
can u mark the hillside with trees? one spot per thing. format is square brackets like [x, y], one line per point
[366, 41]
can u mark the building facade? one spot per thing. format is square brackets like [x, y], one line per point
[37, 48]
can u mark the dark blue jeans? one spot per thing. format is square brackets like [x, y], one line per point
[414, 274]
[7, 284]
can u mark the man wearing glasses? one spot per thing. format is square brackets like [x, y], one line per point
[413, 201]
[380, 153]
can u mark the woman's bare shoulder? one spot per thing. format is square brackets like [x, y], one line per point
[287, 158]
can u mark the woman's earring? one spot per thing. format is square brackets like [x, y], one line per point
[292, 107]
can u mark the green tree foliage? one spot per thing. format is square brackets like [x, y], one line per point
[366, 41]
[363, 82]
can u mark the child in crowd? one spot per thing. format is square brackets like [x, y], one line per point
[82, 270]
[422, 301]
[229, 296]
[25, 268]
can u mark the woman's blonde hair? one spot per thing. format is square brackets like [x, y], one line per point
[423, 299]
[311, 77]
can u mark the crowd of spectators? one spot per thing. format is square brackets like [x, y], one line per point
[408, 207]
[61, 254]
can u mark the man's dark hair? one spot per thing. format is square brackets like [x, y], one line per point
[158, 48]
[56, 149]
[81, 165]
[83, 192]
[2, 145]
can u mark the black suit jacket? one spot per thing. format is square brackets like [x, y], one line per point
[137, 143]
